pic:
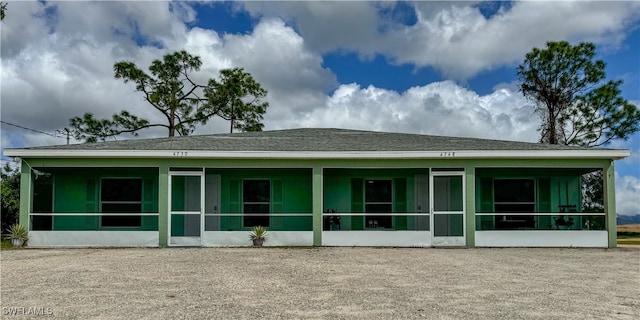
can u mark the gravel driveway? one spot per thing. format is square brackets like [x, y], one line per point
[321, 283]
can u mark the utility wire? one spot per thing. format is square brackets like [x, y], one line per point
[34, 130]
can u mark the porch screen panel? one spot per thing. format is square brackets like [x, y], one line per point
[484, 203]
[422, 202]
[234, 206]
[448, 225]
[277, 205]
[486, 195]
[447, 194]
[185, 197]
[378, 198]
[400, 203]
[149, 204]
[42, 202]
[515, 195]
[256, 198]
[92, 204]
[544, 201]
[121, 195]
[357, 203]
[212, 202]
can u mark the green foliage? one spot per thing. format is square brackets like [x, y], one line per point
[19, 232]
[258, 233]
[3, 10]
[185, 104]
[628, 235]
[10, 193]
[576, 105]
[237, 98]
[91, 130]
[593, 192]
[5, 245]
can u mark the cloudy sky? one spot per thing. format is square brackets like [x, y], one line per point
[444, 68]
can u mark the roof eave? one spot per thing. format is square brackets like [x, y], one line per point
[614, 154]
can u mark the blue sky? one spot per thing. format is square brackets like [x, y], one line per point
[444, 68]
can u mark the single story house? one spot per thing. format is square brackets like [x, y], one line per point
[316, 187]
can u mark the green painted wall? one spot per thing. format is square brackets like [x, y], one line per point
[163, 203]
[610, 203]
[470, 204]
[25, 194]
[317, 180]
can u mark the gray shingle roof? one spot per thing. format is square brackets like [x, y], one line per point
[312, 140]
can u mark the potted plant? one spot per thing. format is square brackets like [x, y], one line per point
[18, 234]
[258, 235]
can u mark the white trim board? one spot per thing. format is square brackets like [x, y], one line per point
[376, 238]
[241, 238]
[202, 154]
[542, 238]
[93, 239]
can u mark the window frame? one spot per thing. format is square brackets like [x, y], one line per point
[390, 203]
[244, 203]
[532, 202]
[518, 219]
[101, 202]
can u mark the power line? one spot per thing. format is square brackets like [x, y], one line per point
[34, 130]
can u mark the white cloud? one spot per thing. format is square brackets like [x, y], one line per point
[58, 75]
[454, 37]
[441, 108]
[19, 27]
[57, 68]
[326, 26]
[66, 66]
[627, 195]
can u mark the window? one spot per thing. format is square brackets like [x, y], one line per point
[256, 202]
[378, 199]
[121, 195]
[514, 196]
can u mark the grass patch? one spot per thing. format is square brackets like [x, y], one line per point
[626, 241]
[6, 245]
[628, 235]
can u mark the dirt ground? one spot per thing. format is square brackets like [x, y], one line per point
[629, 228]
[321, 283]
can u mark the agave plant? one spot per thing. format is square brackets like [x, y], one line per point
[18, 234]
[258, 235]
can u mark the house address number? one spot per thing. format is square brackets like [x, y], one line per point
[447, 154]
[180, 153]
